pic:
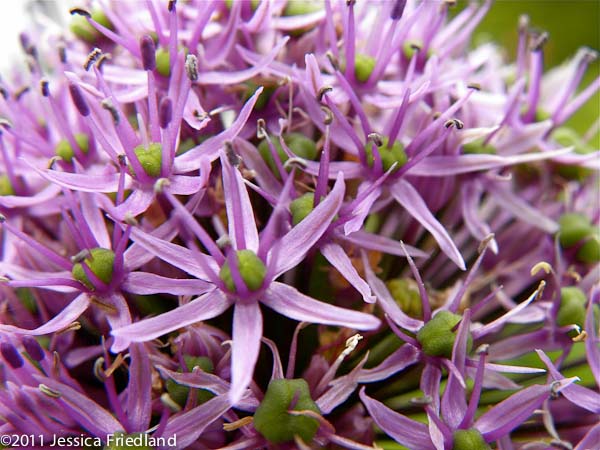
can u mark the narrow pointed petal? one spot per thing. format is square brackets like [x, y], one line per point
[335, 254]
[247, 332]
[139, 399]
[405, 431]
[204, 307]
[409, 198]
[138, 202]
[371, 241]
[61, 321]
[405, 356]
[95, 419]
[294, 245]
[240, 215]
[510, 413]
[143, 283]
[185, 185]
[289, 302]
[189, 426]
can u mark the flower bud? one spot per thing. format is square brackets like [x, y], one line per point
[572, 307]
[437, 336]
[100, 261]
[302, 207]
[469, 440]
[251, 268]
[150, 158]
[272, 419]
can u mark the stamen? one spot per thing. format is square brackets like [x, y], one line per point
[261, 129]
[232, 157]
[44, 87]
[333, 60]
[328, 115]
[11, 355]
[79, 100]
[33, 348]
[421, 401]
[110, 107]
[80, 12]
[62, 53]
[81, 256]
[19, 92]
[539, 41]
[160, 185]
[324, 90]
[238, 424]
[92, 58]
[542, 265]
[474, 86]
[166, 400]
[191, 67]
[148, 51]
[103, 58]
[48, 391]
[165, 112]
[376, 139]
[171, 5]
[459, 125]
[71, 327]
[98, 370]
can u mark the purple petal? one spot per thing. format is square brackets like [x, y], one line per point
[388, 304]
[189, 426]
[174, 254]
[405, 356]
[513, 411]
[185, 185]
[94, 219]
[82, 182]
[405, 431]
[335, 254]
[383, 244]
[16, 201]
[95, 419]
[409, 198]
[61, 321]
[576, 394]
[247, 332]
[139, 388]
[340, 389]
[240, 215]
[294, 245]
[138, 202]
[204, 307]
[289, 302]
[590, 439]
[143, 283]
[191, 160]
[362, 210]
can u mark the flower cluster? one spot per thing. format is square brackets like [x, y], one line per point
[204, 202]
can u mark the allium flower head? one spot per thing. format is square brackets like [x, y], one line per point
[183, 182]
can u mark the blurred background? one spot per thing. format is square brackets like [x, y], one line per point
[570, 23]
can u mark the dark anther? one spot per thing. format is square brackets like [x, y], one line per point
[2, 218]
[122, 160]
[324, 90]
[11, 355]
[108, 105]
[376, 139]
[191, 67]
[5, 123]
[483, 349]
[421, 401]
[350, 2]
[589, 55]
[3, 92]
[233, 158]
[44, 88]
[165, 112]
[328, 115]
[261, 128]
[19, 92]
[416, 46]
[79, 12]
[171, 5]
[450, 2]
[92, 58]
[148, 50]
[454, 123]
[62, 53]
[563, 445]
[538, 41]
[103, 58]
[474, 86]
[24, 41]
[523, 23]
[33, 348]
[81, 256]
[79, 100]
[332, 59]
[398, 9]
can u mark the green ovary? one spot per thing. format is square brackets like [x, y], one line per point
[438, 335]
[272, 419]
[299, 144]
[101, 263]
[251, 268]
[389, 156]
[150, 158]
[469, 440]
[6, 188]
[66, 152]
[302, 207]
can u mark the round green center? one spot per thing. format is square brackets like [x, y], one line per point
[577, 229]
[389, 156]
[163, 62]
[101, 263]
[302, 207]
[477, 147]
[272, 418]
[363, 67]
[299, 144]
[251, 268]
[572, 307]
[150, 158]
[567, 137]
[469, 440]
[6, 188]
[438, 335]
[81, 28]
[66, 152]
[179, 393]
[406, 296]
